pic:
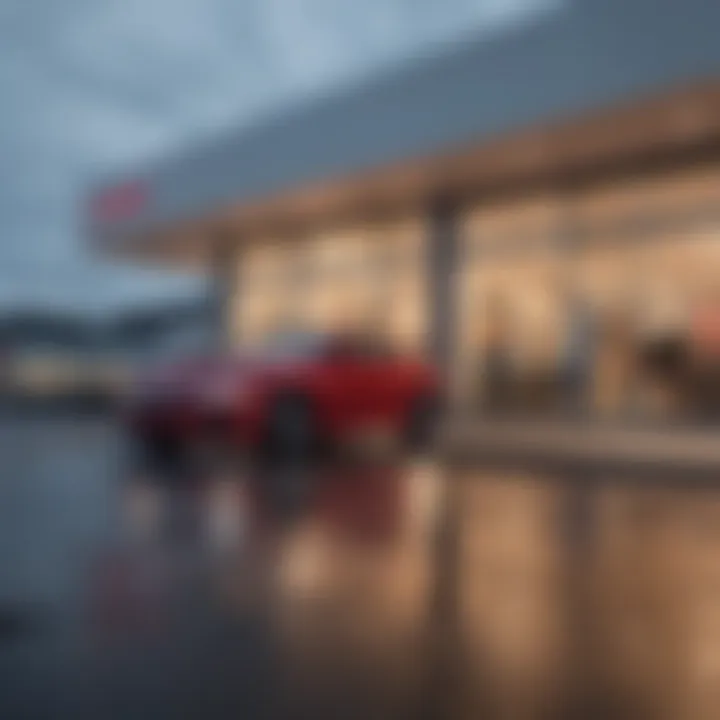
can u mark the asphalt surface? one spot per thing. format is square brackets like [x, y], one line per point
[371, 587]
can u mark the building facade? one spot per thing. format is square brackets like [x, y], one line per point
[539, 211]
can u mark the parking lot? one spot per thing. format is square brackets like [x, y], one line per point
[372, 587]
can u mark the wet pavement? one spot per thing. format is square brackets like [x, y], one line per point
[364, 588]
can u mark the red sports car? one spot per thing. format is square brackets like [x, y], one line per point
[299, 392]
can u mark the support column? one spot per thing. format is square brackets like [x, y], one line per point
[442, 256]
[223, 285]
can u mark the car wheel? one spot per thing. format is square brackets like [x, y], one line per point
[421, 423]
[292, 432]
[211, 454]
[154, 456]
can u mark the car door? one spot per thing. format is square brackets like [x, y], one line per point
[383, 381]
[346, 386]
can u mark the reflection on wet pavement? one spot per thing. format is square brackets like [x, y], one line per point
[367, 589]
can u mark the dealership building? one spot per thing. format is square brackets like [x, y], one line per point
[550, 190]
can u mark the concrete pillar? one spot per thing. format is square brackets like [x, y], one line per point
[442, 256]
[223, 286]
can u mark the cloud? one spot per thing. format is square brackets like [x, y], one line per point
[89, 85]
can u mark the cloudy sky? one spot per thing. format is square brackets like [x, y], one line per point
[90, 86]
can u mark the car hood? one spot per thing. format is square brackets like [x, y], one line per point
[191, 375]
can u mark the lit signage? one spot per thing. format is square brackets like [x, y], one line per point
[122, 202]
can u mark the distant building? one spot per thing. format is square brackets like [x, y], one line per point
[50, 353]
[47, 353]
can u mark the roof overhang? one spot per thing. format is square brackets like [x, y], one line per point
[675, 122]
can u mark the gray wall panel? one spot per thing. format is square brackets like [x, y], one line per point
[585, 55]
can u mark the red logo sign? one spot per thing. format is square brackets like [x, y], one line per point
[119, 203]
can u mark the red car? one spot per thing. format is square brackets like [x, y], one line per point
[302, 390]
